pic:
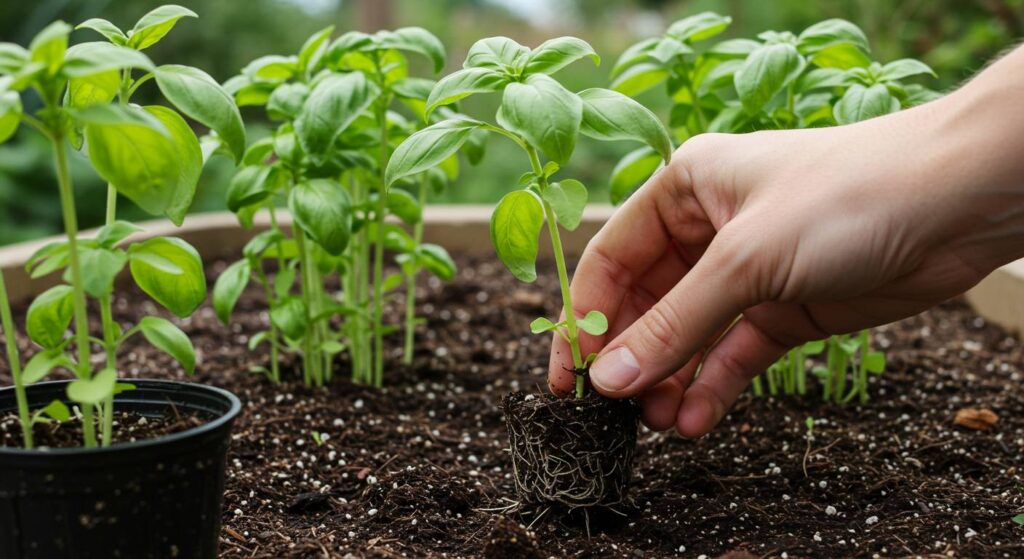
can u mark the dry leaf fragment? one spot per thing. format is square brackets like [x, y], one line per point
[979, 419]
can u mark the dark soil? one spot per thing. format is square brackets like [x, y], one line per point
[128, 427]
[420, 469]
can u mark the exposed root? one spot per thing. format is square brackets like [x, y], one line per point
[572, 453]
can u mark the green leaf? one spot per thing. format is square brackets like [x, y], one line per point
[1019, 519]
[272, 69]
[10, 114]
[515, 231]
[405, 206]
[765, 73]
[42, 363]
[436, 259]
[861, 103]
[46, 260]
[12, 58]
[634, 54]
[49, 316]
[414, 39]
[905, 68]
[100, 267]
[110, 235]
[229, 288]
[49, 45]
[283, 281]
[567, 199]
[699, 27]
[632, 171]
[820, 78]
[829, 33]
[554, 54]
[154, 25]
[291, 316]
[609, 115]
[323, 209]
[734, 48]
[639, 78]
[545, 113]
[594, 323]
[286, 101]
[541, 325]
[56, 410]
[86, 59]
[332, 105]
[95, 390]
[314, 48]
[96, 89]
[158, 170]
[261, 242]
[813, 348]
[668, 49]
[874, 362]
[179, 293]
[248, 187]
[918, 94]
[110, 31]
[497, 53]
[200, 97]
[464, 83]
[429, 147]
[169, 339]
[840, 55]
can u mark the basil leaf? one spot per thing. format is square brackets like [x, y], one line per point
[229, 287]
[180, 293]
[820, 78]
[286, 101]
[766, 72]
[609, 115]
[169, 339]
[699, 27]
[94, 390]
[554, 54]
[291, 316]
[10, 114]
[594, 323]
[248, 187]
[436, 259]
[639, 78]
[200, 97]
[734, 48]
[49, 316]
[631, 171]
[414, 39]
[110, 235]
[634, 54]
[464, 83]
[429, 147]
[905, 68]
[541, 325]
[105, 28]
[323, 209]
[42, 363]
[155, 25]
[861, 103]
[96, 89]
[49, 45]
[515, 231]
[404, 206]
[567, 199]
[831, 32]
[331, 106]
[497, 53]
[86, 59]
[100, 267]
[543, 112]
[12, 58]
[314, 48]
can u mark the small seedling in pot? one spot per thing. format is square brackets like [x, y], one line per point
[594, 443]
[147, 154]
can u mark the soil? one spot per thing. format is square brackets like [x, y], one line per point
[127, 427]
[420, 468]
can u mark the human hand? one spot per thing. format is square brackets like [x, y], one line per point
[802, 234]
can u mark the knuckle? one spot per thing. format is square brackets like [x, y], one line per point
[658, 329]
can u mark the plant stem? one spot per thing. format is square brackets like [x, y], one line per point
[14, 361]
[275, 367]
[109, 337]
[702, 119]
[410, 282]
[67, 201]
[378, 248]
[563, 275]
[310, 362]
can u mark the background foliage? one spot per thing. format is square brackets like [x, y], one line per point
[955, 37]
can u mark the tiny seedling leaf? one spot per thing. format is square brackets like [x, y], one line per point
[567, 199]
[541, 325]
[594, 323]
[94, 390]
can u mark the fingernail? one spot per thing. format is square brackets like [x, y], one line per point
[616, 370]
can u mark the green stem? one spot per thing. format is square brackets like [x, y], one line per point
[67, 201]
[275, 367]
[801, 371]
[756, 385]
[572, 334]
[107, 323]
[309, 360]
[378, 249]
[702, 119]
[410, 282]
[14, 361]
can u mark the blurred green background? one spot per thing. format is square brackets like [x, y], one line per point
[956, 37]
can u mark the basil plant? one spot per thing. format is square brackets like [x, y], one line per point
[545, 119]
[149, 155]
[325, 160]
[821, 77]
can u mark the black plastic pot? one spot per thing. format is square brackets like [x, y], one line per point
[157, 498]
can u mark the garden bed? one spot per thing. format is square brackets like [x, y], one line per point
[420, 468]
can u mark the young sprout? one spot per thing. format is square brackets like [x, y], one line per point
[543, 118]
[147, 154]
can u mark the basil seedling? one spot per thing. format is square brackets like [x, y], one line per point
[147, 154]
[541, 116]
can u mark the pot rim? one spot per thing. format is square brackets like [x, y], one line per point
[118, 448]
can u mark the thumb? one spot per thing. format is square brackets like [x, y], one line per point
[682, 323]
